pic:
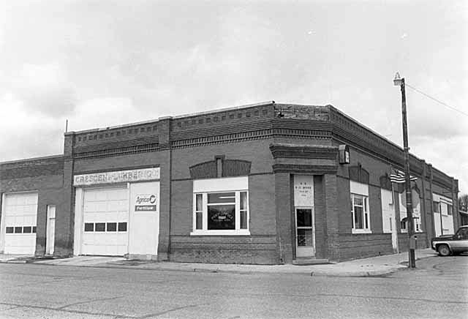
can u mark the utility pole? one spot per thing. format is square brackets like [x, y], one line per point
[409, 199]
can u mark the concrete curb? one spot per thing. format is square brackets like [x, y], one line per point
[371, 273]
[371, 267]
[286, 269]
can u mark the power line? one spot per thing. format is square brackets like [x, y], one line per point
[438, 101]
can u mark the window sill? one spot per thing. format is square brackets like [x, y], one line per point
[361, 231]
[243, 232]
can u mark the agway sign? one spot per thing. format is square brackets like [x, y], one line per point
[145, 203]
[136, 175]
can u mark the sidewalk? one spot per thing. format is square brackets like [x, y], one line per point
[368, 267]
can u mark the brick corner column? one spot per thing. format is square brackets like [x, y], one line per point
[284, 225]
[164, 244]
[65, 216]
[331, 211]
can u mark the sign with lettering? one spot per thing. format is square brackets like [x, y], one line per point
[145, 203]
[136, 175]
[221, 217]
[303, 191]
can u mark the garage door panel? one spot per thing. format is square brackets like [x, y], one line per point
[29, 220]
[19, 222]
[117, 206]
[117, 195]
[103, 210]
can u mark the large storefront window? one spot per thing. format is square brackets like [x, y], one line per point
[219, 208]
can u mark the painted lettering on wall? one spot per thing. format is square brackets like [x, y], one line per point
[117, 177]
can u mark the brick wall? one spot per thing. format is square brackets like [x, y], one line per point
[259, 248]
[176, 144]
[45, 176]
[256, 151]
[321, 217]
[284, 217]
[344, 206]
[225, 249]
[375, 209]
[333, 215]
[353, 246]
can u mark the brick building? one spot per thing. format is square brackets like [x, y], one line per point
[261, 184]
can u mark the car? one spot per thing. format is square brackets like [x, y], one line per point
[447, 245]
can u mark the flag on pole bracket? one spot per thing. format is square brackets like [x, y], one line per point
[399, 177]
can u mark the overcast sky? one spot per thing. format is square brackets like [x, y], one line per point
[102, 63]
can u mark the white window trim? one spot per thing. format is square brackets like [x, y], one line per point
[219, 185]
[362, 231]
[361, 190]
[366, 211]
[216, 185]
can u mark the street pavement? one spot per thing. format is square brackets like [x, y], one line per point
[368, 267]
[436, 289]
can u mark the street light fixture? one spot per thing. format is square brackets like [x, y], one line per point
[409, 202]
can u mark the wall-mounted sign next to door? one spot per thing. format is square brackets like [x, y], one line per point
[145, 203]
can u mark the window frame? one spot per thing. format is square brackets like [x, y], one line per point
[365, 214]
[203, 188]
[361, 190]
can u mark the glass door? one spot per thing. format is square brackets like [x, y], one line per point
[305, 232]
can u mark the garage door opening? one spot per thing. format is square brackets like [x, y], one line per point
[19, 222]
[105, 222]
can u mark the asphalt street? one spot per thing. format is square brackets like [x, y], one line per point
[438, 288]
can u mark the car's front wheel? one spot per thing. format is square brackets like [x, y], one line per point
[443, 250]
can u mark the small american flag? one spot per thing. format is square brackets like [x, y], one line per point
[399, 177]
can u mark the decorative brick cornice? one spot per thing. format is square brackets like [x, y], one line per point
[303, 151]
[251, 135]
[304, 125]
[310, 169]
[116, 134]
[103, 145]
[119, 151]
[442, 180]
[296, 111]
[221, 139]
[349, 131]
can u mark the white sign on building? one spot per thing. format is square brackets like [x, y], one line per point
[135, 175]
[303, 191]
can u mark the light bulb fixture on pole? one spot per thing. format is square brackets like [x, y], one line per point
[409, 199]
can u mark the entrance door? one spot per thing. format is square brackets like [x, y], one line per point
[305, 232]
[50, 241]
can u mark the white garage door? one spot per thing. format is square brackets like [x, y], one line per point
[105, 222]
[20, 223]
